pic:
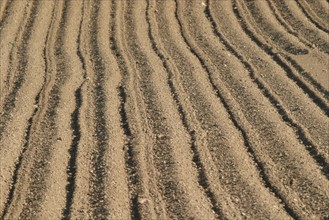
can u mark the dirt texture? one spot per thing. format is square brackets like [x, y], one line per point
[164, 109]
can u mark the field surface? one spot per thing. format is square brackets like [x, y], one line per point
[164, 109]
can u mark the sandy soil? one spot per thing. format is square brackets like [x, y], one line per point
[175, 109]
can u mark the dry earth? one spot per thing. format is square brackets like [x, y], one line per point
[164, 109]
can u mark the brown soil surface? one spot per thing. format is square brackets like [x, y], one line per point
[172, 109]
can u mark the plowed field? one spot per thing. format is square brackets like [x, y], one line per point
[164, 109]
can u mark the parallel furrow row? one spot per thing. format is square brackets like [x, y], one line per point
[286, 25]
[289, 47]
[20, 67]
[301, 133]
[156, 92]
[303, 6]
[204, 183]
[27, 137]
[164, 110]
[5, 12]
[9, 59]
[302, 27]
[76, 131]
[98, 160]
[45, 127]
[249, 148]
[130, 159]
[276, 57]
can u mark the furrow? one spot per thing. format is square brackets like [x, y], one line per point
[206, 119]
[277, 58]
[9, 197]
[307, 76]
[310, 15]
[163, 120]
[301, 133]
[76, 131]
[202, 177]
[290, 13]
[131, 163]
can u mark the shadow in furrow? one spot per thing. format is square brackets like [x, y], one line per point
[202, 178]
[75, 126]
[131, 164]
[73, 151]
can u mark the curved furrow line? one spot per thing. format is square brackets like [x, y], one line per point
[237, 125]
[217, 143]
[131, 161]
[304, 28]
[17, 69]
[301, 132]
[226, 6]
[11, 33]
[31, 120]
[285, 115]
[320, 8]
[5, 12]
[308, 76]
[281, 62]
[139, 163]
[261, 27]
[46, 124]
[76, 130]
[287, 26]
[21, 155]
[98, 159]
[273, 34]
[312, 18]
[8, 32]
[261, 16]
[29, 144]
[180, 191]
[270, 126]
[203, 181]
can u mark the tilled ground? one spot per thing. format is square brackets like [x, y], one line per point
[171, 109]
